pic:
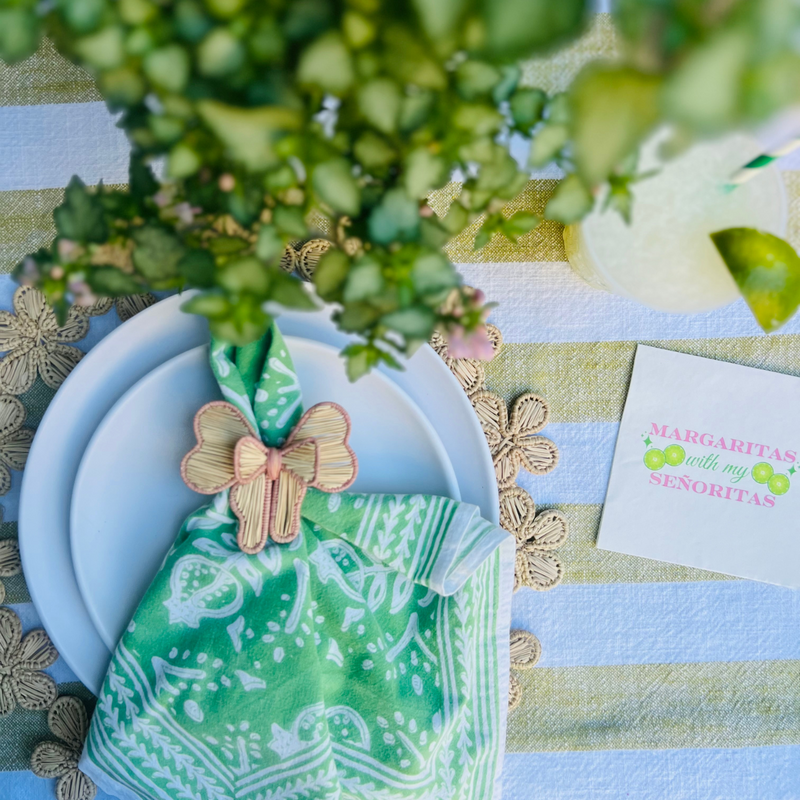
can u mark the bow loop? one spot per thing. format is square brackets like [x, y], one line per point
[267, 484]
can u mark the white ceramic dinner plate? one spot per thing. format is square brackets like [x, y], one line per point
[112, 367]
[129, 499]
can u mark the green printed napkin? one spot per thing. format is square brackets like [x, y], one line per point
[366, 659]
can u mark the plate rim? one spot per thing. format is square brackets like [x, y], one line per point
[166, 330]
[82, 575]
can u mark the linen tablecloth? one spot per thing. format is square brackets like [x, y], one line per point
[656, 681]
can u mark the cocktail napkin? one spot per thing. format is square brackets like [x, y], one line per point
[365, 658]
[706, 467]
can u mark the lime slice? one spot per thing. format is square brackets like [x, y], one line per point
[654, 458]
[762, 472]
[766, 270]
[674, 455]
[779, 484]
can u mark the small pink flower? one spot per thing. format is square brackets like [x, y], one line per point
[30, 271]
[185, 212]
[162, 198]
[66, 249]
[475, 344]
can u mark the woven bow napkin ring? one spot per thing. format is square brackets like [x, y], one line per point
[267, 484]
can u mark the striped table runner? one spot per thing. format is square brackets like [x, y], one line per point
[656, 681]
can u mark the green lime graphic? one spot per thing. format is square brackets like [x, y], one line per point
[654, 458]
[674, 455]
[762, 472]
[779, 484]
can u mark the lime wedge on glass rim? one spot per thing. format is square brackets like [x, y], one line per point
[767, 271]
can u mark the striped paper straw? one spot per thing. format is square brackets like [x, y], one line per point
[752, 168]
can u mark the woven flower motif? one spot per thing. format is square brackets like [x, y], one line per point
[513, 440]
[15, 441]
[127, 307]
[469, 372]
[536, 566]
[34, 343]
[21, 660]
[9, 563]
[525, 652]
[68, 721]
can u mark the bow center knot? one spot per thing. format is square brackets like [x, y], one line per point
[274, 462]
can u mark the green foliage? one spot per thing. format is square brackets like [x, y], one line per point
[283, 121]
[766, 270]
[80, 217]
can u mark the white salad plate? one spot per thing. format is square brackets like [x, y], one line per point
[129, 499]
[112, 367]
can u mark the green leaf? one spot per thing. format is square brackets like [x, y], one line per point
[220, 53]
[433, 272]
[395, 219]
[83, 15]
[704, 91]
[246, 274]
[112, 282]
[766, 270]
[121, 87]
[199, 269]
[570, 202]
[80, 216]
[509, 79]
[327, 64]
[379, 102]
[289, 220]
[290, 292]
[476, 79]
[269, 245]
[141, 179]
[411, 60]
[242, 327]
[360, 359]
[373, 152]
[364, 281]
[520, 28]
[356, 317]
[208, 304]
[439, 17]
[330, 273]
[183, 161]
[335, 185]
[415, 322]
[424, 172]
[168, 67]
[157, 253]
[478, 119]
[519, 224]
[547, 144]
[19, 33]
[249, 134]
[135, 12]
[358, 30]
[526, 106]
[620, 198]
[104, 49]
[614, 108]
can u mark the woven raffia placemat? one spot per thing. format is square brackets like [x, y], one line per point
[655, 680]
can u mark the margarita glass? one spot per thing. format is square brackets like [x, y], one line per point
[665, 259]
